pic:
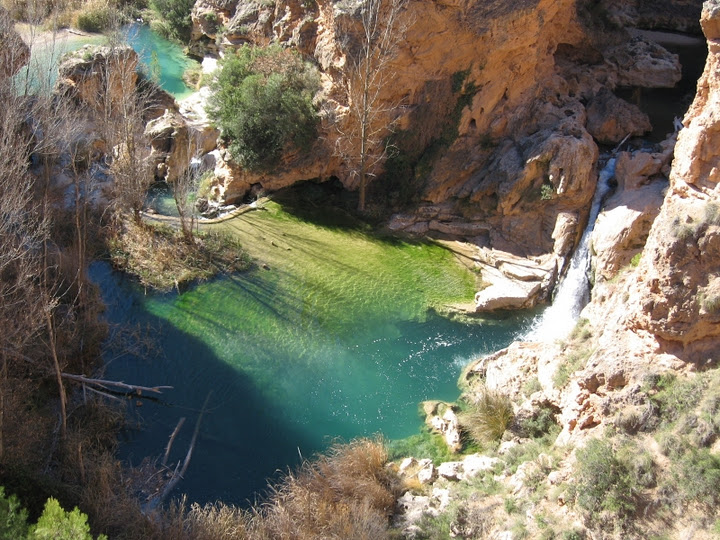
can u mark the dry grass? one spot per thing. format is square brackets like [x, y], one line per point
[488, 417]
[347, 493]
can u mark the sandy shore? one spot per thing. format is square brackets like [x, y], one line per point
[37, 38]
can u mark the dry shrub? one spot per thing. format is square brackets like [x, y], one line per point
[161, 258]
[347, 493]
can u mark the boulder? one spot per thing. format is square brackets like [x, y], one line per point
[92, 75]
[506, 294]
[610, 119]
[643, 63]
[450, 470]
[441, 418]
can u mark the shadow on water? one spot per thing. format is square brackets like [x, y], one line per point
[244, 439]
[326, 204]
[329, 205]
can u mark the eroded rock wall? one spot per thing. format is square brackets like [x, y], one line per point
[677, 297]
[646, 316]
[496, 109]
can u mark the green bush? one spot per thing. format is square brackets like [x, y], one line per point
[676, 396]
[54, 523]
[57, 524]
[263, 103]
[13, 517]
[175, 18]
[539, 425]
[603, 481]
[698, 474]
[487, 419]
[96, 18]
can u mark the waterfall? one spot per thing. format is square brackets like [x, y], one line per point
[573, 291]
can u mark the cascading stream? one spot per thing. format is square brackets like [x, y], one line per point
[573, 292]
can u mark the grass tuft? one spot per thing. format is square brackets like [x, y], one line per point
[487, 419]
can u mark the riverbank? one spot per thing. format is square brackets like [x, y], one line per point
[37, 37]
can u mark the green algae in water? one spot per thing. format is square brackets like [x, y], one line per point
[335, 339]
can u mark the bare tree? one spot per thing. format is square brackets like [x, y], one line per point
[363, 142]
[130, 168]
[23, 226]
[183, 188]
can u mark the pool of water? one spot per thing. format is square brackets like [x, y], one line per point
[161, 59]
[40, 73]
[332, 339]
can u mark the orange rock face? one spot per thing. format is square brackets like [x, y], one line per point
[679, 275]
[485, 105]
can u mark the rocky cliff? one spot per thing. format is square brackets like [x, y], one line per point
[496, 110]
[14, 52]
[648, 338]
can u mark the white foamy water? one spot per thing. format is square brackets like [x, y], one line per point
[573, 291]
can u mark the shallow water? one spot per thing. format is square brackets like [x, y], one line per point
[297, 355]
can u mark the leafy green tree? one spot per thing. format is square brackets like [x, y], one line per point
[58, 524]
[13, 517]
[175, 18]
[263, 103]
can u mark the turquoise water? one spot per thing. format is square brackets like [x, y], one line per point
[41, 72]
[162, 59]
[292, 364]
[159, 58]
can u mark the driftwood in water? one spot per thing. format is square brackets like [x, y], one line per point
[172, 440]
[103, 383]
[179, 472]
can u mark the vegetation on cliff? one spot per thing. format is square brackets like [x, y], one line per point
[263, 103]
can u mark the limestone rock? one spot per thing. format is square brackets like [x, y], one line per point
[644, 63]
[674, 297]
[565, 233]
[93, 74]
[171, 143]
[14, 52]
[611, 119]
[451, 470]
[634, 169]
[477, 463]
[441, 418]
[622, 227]
[508, 370]
[426, 472]
[506, 294]
[678, 15]
[193, 111]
